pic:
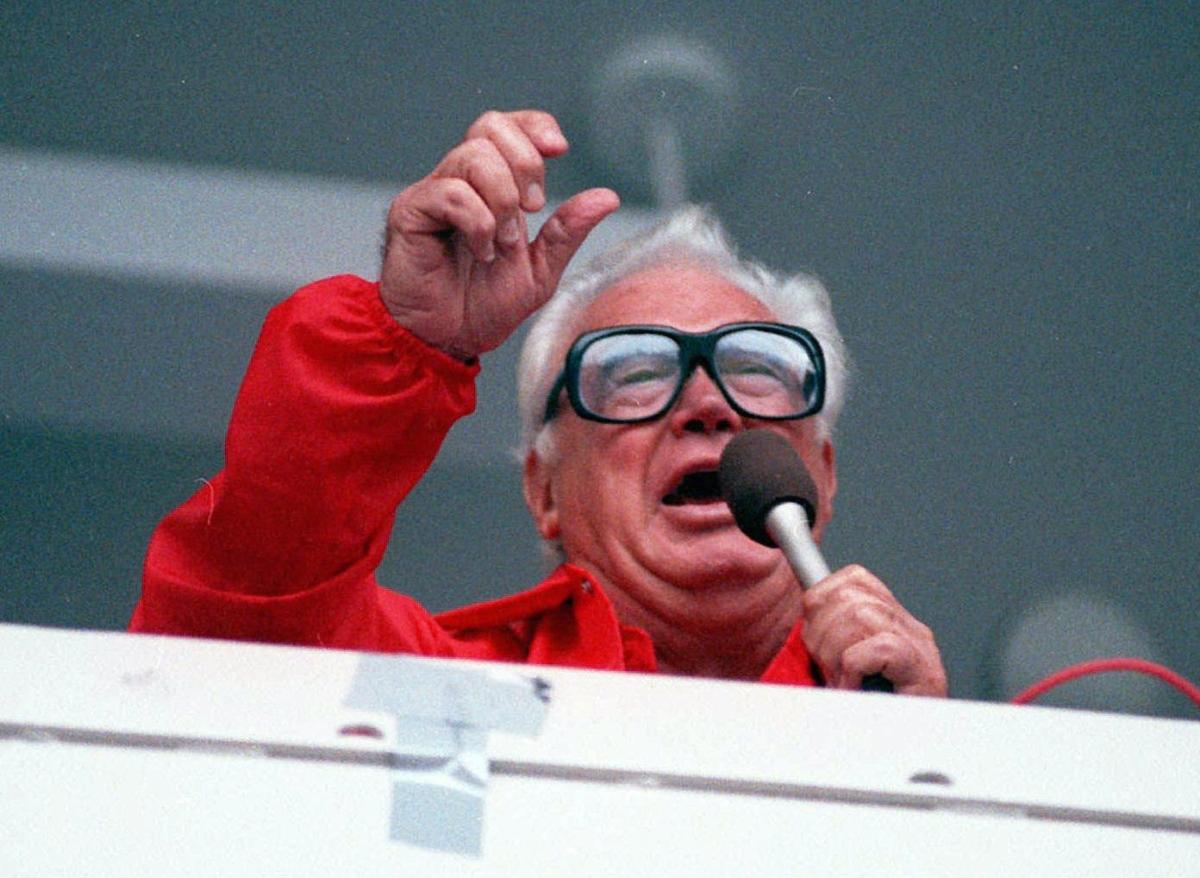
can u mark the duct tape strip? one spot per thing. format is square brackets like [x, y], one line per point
[443, 716]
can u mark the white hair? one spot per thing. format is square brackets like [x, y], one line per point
[691, 236]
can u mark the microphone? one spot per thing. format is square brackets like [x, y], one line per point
[774, 502]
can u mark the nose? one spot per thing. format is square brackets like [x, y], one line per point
[703, 408]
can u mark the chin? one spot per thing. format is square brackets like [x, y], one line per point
[725, 560]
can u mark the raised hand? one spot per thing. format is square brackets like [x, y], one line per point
[459, 271]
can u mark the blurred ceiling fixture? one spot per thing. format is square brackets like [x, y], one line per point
[664, 117]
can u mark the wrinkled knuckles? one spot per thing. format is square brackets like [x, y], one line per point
[869, 616]
[540, 125]
[401, 208]
[489, 121]
[527, 166]
[541, 120]
[857, 572]
[479, 161]
[461, 199]
[866, 581]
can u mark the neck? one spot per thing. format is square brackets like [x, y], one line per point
[726, 633]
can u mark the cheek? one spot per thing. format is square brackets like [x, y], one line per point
[605, 470]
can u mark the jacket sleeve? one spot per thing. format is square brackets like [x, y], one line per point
[340, 413]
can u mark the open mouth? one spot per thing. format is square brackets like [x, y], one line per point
[695, 488]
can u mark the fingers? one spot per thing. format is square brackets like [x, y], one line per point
[886, 653]
[502, 159]
[855, 627]
[479, 163]
[563, 233]
[458, 269]
[435, 204]
[524, 138]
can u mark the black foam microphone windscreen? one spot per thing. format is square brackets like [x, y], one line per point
[759, 469]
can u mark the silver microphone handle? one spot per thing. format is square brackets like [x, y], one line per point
[787, 523]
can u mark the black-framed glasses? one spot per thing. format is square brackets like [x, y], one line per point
[629, 374]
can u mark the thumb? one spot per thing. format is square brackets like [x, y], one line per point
[565, 231]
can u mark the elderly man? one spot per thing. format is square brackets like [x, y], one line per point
[633, 380]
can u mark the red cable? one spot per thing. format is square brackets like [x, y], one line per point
[1100, 666]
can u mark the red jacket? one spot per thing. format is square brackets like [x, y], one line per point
[340, 413]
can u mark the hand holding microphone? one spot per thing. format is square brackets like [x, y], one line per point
[854, 627]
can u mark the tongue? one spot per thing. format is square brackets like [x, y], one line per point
[695, 488]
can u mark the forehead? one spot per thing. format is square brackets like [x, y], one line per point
[681, 296]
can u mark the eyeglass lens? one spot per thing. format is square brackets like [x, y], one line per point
[631, 376]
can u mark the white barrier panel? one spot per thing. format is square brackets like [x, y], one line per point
[134, 755]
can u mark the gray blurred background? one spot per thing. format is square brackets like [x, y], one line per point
[1003, 199]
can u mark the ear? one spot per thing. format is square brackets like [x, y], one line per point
[539, 495]
[826, 479]
[828, 458]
